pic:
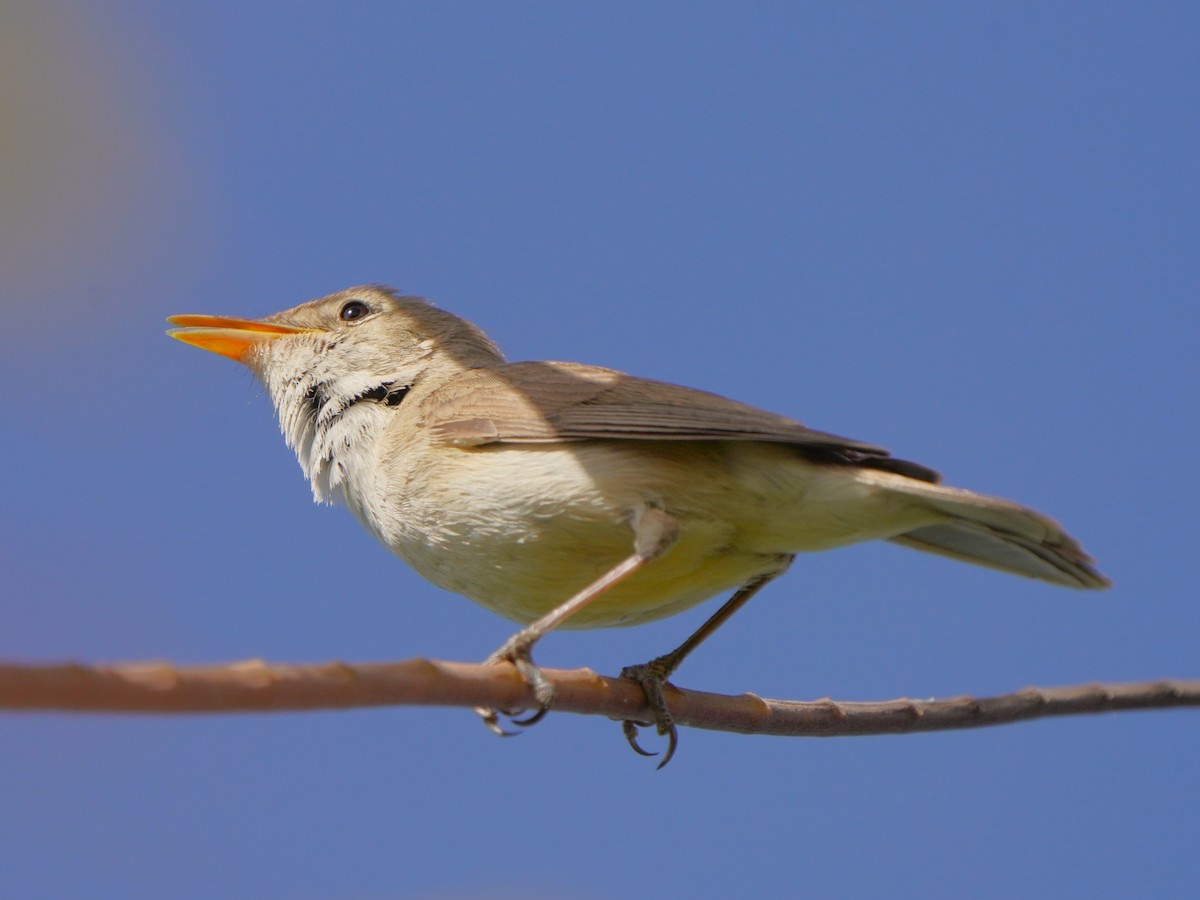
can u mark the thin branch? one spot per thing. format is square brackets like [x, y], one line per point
[255, 686]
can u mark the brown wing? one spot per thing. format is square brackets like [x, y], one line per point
[547, 402]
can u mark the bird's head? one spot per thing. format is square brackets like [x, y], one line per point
[331, 366]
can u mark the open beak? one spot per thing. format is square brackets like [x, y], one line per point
[228, 336]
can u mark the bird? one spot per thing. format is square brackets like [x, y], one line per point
[559, 494]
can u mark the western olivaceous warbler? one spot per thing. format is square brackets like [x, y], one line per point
[565, 495]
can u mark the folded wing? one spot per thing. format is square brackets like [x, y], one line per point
[547, 402]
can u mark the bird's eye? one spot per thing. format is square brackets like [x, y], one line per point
[354, 309]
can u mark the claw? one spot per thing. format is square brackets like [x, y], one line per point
[672, 733]
[532, 719]
[631, 735]
[491, 720]
[672, 744]
[517, 651]
[652, 676]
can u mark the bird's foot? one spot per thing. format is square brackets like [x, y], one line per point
[652, 676]
[517, 650]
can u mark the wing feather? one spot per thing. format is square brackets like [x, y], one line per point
[548, 402]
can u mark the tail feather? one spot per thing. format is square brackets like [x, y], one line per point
[988, 531]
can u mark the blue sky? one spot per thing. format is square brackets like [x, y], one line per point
[965, 231]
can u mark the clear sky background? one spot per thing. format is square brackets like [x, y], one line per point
[966, 231]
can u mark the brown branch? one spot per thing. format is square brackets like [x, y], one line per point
[255, 686]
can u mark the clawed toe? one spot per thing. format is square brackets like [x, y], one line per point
[652, 676]
[517, 651]
[491, 720]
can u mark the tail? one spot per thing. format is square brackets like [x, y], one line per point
[988, 531]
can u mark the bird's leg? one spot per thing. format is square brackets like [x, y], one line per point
[652, 676]
[655, 532]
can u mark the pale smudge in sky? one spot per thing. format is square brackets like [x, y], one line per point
[87, 172]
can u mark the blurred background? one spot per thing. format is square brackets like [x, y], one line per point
[967, 232]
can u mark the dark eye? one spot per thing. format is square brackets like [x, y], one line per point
[354, 309]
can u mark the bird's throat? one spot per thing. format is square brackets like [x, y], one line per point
[333, 435]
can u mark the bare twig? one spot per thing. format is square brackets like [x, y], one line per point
[255, 686]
